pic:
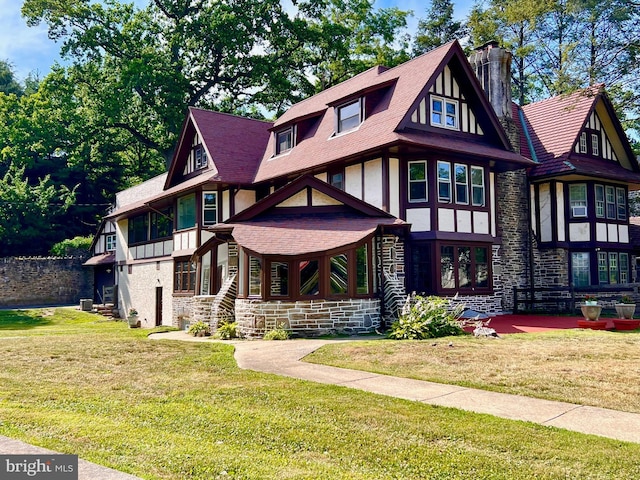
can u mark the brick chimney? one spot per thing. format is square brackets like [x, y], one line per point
[492, 65]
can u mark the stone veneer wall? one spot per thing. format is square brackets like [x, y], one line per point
[511, 265]
[308, 317]
[44, 280]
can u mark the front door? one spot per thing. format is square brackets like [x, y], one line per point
[158, 306]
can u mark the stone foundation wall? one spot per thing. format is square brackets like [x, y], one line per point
[308, 318]
[44, 281]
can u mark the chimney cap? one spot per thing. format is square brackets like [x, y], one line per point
[488, 45]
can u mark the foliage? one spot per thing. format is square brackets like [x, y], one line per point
[199, 328]
[8, 82]
[133, 312]
[278, 333]
[627, 299]
[227, 331]
[437, 28]
[71, 245]
[590, 298]
[29, 212]
[429, 317]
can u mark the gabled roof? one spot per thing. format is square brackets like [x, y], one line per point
[553, 127]
[274, 227]
[235, 146]
[400, 89]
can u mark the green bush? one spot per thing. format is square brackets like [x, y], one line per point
[278, 333]
[71, 246]
[199, 329]
[429, 317]
[227, 331]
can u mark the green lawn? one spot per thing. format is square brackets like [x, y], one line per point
[178, 410]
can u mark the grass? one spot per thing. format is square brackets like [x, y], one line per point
[578, 366]
[180, 410]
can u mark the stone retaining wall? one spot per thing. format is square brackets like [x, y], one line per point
[308, 317]
[28, 281]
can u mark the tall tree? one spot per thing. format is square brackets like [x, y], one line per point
[8, 82]
[437, 28]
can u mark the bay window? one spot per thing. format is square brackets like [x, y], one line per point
[184, 276]
[464, 267]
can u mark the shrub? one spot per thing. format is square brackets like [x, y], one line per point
[278, 333]
[227, 331]
[199, 329]
[75, 245]
[429, 317]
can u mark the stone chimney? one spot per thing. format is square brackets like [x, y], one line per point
[492, 65]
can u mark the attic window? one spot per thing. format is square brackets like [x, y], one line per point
[349, 116]
[444, 113]
[284, 140]
[199, 157]
[583, 142]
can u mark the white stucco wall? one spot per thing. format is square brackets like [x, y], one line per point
[373, 182]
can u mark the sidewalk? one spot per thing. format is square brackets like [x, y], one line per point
[86, 470]
[284, 358]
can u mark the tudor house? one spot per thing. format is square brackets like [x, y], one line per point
[423, 177]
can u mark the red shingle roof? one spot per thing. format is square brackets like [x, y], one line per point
[235, 144]
[304, 234]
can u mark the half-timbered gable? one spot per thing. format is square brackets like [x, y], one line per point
[580, 187]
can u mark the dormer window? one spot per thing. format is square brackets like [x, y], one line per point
[444, 113]
[349, 116]
[284, 140]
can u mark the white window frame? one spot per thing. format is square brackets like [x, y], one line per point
[465, 184]
[209, 208]
[595, 144]
[583, 142]
[621, 203]
[610, 199]
[578, 206]
[478, 186]
[444, 181]
[600, 201]
[200, 158]
[291, 132]
[444, 114]
[425, 181]
[110, 242]
[339, 120]
[580, 263]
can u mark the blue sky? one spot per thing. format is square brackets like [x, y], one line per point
[28, 49]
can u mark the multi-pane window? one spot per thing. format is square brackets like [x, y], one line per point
[578, 200]
[418, 181]
[362, 270]
[610, 196]
[444, 182]
[595, 144]
[621, 197]
[464, 267]
[138, 229]
[580, 269]
[477, 186]
[184, 276]
[349, 116]
[209, 208]
[284, 140]
[187, 211]
[613, 267]
[583, 142]
[600, 201]
[444, 113]
[339, 274]
[199, 157]
[462, 184]
[110, 242]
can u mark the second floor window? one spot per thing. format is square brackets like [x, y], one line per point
[418, 181]
[444, 182]
[578, 200]
[209, 208]
[477, 186]
[186, 212]
[110, 241]
[462, 184]
[336, 179]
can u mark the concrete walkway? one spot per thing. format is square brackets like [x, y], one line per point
[86, 470]
[284, 358]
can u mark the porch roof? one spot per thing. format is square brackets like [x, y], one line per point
[101, 259]
[287, 236]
